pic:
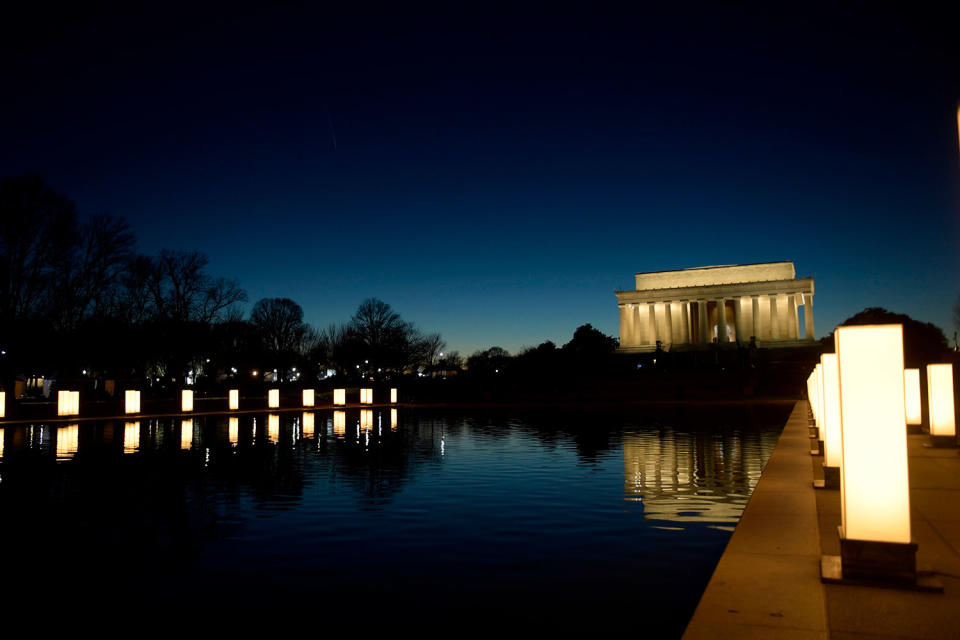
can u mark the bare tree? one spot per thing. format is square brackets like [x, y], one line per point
[280, 324]
[37, 227]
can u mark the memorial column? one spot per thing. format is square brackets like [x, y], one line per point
[808, 315]
[668, 322]
[793, 330]
[721, 321]
[652, 319]
[685, 322]
[774, 318]
[738, 319]
[624, 327]
[702, 320]
[756, 317]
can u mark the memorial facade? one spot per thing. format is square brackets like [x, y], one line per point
[695, 307]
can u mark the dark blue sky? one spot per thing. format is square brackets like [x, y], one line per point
[498, 173]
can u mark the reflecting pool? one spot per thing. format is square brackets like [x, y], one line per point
[383, 517]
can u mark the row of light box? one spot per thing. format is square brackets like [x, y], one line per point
[861, 400]
[68, 402]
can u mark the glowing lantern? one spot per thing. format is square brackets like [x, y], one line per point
[831, 432]
[366, 396]
[273, 398]
[3, 409]
[234, 430]
[366, 419]
[308, 422]
[234, 399]
[1, 442]
[393, 419]
[68, 439]
[186, 400]
[131, 401]
[308, 397]
[131, 436]
[186, 432]
[393, 396]
[340, 397]
[911, 392]
[340, 423]
[874, 492]
[273, 427]
[943, 428]
[68, 403]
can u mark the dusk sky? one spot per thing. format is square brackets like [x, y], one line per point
[496, 174]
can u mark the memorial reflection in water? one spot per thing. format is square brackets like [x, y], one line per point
[682, 477]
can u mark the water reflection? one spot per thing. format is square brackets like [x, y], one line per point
[68, 441]
[308, 424]
[131, 436]
[186, 433]
[273, 428]
[481, 507]
[683, 477]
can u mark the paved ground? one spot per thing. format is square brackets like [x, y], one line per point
[767, 584]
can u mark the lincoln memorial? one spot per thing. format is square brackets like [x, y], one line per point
[727, 304]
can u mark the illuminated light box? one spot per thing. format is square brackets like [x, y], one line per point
[186, 400]
[234, 399]
[816, 444]
[273, 399]
[911, 396]
[340, 397]
[68, 403]
[308, 424]
[339, 423]
[943, 428]
[831, 433]
[393, 396]
[131, 436]
[366, 396]
[875, 536]
[1, 442]
[186, 433]
[366, 419]
[3, 407]
[131, 401]
[233, 430]
[273, 427]
[308, 397]
[393, 419]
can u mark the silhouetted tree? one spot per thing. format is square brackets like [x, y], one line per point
[37, 232]
[588, 341]
[923, 342]
[279, 321]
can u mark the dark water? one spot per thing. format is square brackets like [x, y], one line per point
[549, 521]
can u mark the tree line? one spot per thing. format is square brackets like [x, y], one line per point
[78, 300]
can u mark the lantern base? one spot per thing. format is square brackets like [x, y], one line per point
[914, 429]
[942, 442]
[816, 447]
[878, 564]
[813, 432]
[831, 572]
[831, 478]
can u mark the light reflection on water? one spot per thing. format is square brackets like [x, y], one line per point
[577, 510]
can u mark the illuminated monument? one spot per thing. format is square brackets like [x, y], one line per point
[727, 304]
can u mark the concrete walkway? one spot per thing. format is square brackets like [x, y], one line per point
[767, 583]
